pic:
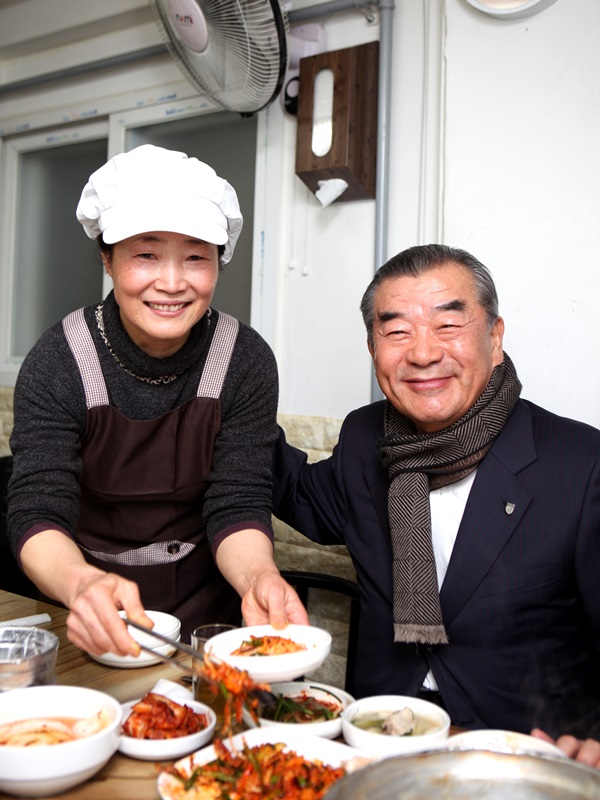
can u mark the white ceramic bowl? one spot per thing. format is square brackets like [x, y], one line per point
[49, 769]
[503, 741]
[164, 623]
[329, 729]
[163, 749]
[381, 745]
[271, 669]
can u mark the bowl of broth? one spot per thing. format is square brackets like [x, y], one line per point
[389, 725]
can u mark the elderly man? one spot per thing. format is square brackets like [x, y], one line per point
[472, 516]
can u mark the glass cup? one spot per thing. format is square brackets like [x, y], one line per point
[202, 692]
[27, 657]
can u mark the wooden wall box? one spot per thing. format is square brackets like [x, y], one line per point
[353, 151]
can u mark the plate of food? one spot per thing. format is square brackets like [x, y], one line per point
[156, 728]
[292, 760]
[270, 655]
[313, 707]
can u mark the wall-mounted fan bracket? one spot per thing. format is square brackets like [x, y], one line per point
[303, 41]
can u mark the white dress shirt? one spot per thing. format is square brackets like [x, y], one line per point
[447, 506]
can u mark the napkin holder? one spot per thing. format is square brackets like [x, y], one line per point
[353, 151]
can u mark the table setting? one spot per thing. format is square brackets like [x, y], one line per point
[279, 721]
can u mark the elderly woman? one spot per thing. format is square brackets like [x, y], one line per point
[144, 424]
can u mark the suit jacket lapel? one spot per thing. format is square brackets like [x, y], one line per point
[496, 505]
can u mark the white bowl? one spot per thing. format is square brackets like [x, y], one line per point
[329, 729]
[503, 741]
[381, 745]
[42, 770]
[273, 668]
[163, 749]
[164, 623]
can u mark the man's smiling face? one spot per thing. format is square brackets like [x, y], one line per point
[433, 348]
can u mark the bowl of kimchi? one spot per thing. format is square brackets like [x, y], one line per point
[271, 655]
[156, 728]
[55, 737]
[303, 705]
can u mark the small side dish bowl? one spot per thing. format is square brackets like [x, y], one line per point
[272, 668]
[362, 720]
[502, 741]
[41, 770]
[296, 691]
[164, 623]
[164, 749]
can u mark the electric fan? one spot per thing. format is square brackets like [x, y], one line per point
[233, 51]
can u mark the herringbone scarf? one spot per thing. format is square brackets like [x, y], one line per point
[416, 463]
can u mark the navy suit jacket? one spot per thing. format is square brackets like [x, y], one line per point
[521, 597]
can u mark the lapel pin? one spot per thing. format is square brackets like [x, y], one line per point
[509, 507]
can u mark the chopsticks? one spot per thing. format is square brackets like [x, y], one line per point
[185, 648]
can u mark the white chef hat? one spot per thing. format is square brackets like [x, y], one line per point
[153, 189]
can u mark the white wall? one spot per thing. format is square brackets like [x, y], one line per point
[495, 132]
[494, 139]
[522, 186]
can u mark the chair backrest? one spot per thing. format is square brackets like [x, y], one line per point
[303, 581]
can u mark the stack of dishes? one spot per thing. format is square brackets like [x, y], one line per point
[164, 623]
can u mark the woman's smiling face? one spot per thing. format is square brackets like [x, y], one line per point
[163, 283]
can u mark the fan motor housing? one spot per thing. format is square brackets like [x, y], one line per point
[353, 152]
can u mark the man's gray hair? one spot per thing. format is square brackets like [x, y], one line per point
[420, 259]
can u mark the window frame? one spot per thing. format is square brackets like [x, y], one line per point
[11, 150]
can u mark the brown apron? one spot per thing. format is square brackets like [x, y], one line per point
[143, 484]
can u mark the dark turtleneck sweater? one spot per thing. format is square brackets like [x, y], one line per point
[50, 420]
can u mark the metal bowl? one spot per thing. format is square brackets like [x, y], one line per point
[470, 774]
[27, 657]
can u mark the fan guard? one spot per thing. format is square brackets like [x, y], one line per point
[234, 51]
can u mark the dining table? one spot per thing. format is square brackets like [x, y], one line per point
[121, 777]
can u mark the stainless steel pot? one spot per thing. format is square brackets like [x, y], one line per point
[470, 774]
[27, 657]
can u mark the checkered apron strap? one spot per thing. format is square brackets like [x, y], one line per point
[219, 356]
[82, 346]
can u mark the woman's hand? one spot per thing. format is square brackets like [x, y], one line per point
[55, 564]
[246, 560]
[272, 600]
[94, 623]
[585, 751]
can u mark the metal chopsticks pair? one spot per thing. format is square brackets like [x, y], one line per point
[185, 648]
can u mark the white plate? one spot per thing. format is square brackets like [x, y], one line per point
[162, 749]
[145, 659]
[273, 668]
[504, 741]
[327, 728]
[164, 623]
[312, 748]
